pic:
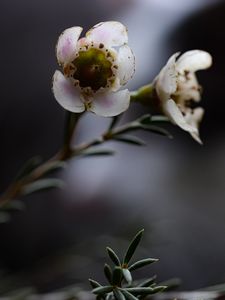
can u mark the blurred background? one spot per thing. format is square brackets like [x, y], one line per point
[173, 188]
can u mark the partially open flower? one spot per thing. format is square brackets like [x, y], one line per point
[178, 90]
[94, 70]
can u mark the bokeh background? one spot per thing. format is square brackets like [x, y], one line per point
[173, 188]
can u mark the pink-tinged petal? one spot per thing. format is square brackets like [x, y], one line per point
[193, 61]
[83, 42]
[126, 64]
[166, 82]
[108, 33]
[67, 44]
[172, 111]
[194, 118]
[110, 104]
[66, 94]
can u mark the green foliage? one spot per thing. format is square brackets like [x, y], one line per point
[43, 184]
[28, 167]
[34, 176]
[120, 280]
[146, 122]
[97, 152]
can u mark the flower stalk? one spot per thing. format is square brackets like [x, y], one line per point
[144, 95]
[37, 172]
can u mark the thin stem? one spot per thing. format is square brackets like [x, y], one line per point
[143, 95]
[16, 188]
[114, 121]
[71, 121]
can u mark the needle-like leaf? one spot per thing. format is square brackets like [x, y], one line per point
[132, 247]
[142, 263]
[113, 256]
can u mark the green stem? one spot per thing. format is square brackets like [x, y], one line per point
[144, 94]
[114, 121]
[71, 121]
[16, 188]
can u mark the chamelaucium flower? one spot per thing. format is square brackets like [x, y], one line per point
[94, 68]
[177, 90]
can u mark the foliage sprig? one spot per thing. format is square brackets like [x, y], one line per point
[120, 284]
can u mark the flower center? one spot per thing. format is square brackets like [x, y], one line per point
[92, 69]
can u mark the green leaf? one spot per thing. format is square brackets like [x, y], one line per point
[94, 283]
[145, 290]
[132, 247]
[128, 295]
[14, 205]
[143, 123]
[140, 290]
[127, 128]
[127, 276]
[101, 290]
[159, 118]
[108, 273]
[142, 263]
[159, 289]
[43, 184]
[29, 166]
[100, 152]
[149, 119]
[109, 296]
[145, 119]
[17, 205]
[55, 165]
[156, 129]
[117, 276]
[118, 294]
[148, 281]
[113, 256]
[129, 139]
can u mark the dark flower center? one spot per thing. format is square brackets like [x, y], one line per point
[92, 69]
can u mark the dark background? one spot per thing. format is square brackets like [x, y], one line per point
[175, 189]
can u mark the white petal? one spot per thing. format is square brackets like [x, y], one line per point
[166, 82]
[174, 114]
[126, 64]
[108, 33]
[111, 104]
[66, 94]
[193, 61]
[194, 118]
[67, 44]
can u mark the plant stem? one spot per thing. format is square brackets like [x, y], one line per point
[70, 125]
[143, 95]
[16, 188]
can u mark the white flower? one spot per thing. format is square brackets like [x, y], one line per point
[94, 70]
[177, 89]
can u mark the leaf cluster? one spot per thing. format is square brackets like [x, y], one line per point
[120, 279]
